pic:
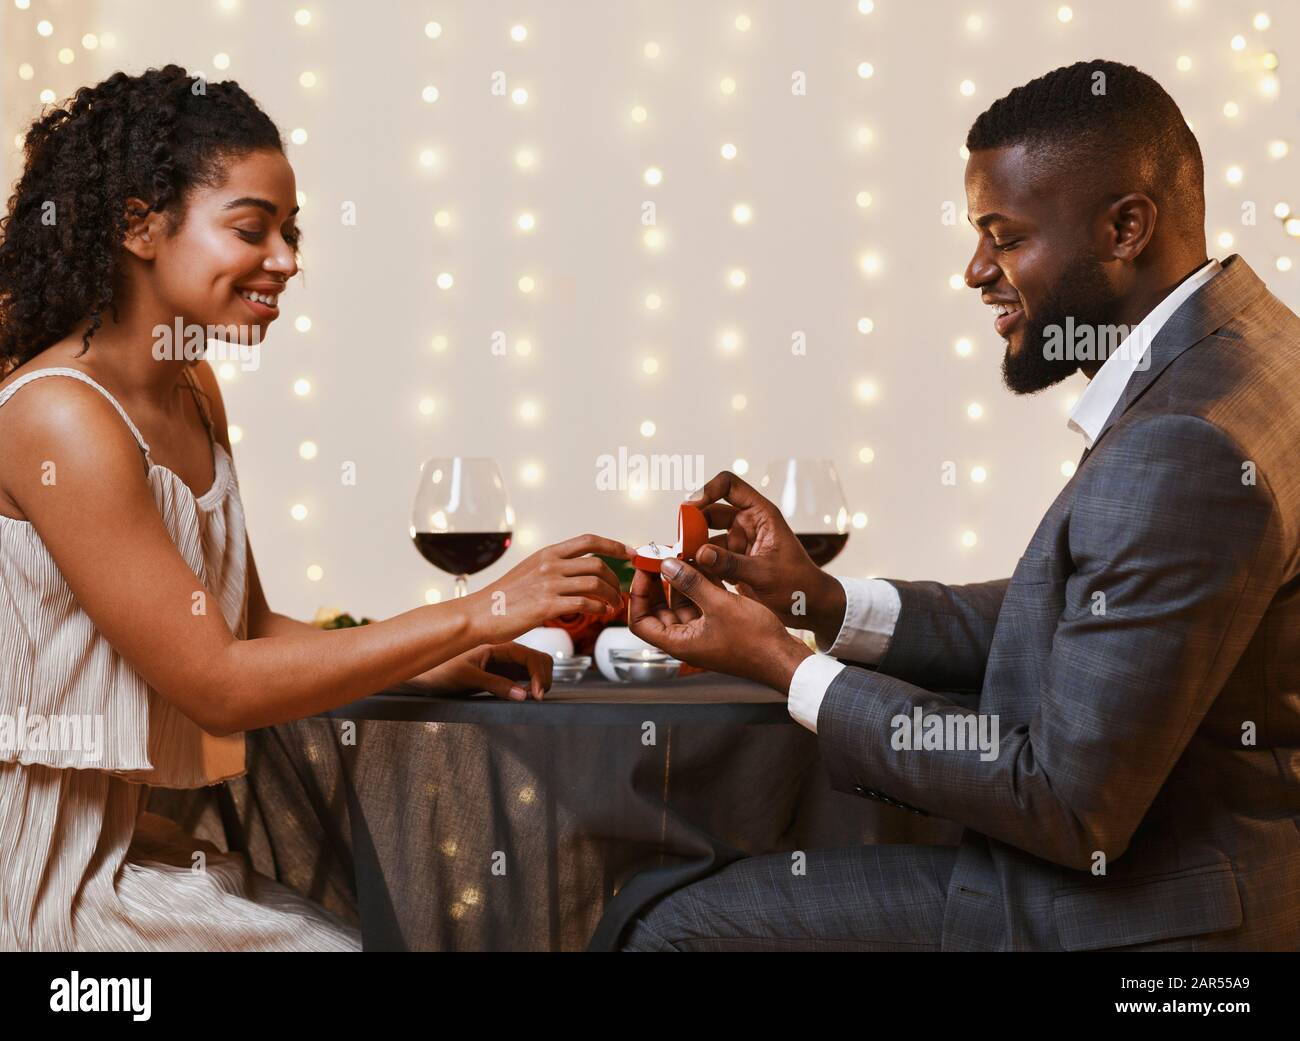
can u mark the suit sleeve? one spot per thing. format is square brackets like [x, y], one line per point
[942, 637]
[1187, 555]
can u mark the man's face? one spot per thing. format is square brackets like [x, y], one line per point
[1035, 260]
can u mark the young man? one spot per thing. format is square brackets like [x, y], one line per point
[1139, 673]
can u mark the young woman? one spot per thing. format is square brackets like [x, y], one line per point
[130, 605]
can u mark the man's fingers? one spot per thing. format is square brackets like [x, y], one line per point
[720, 563]
[719, 515]
[726, 485]
[692, 584]
[649, 627]
[667, 616]
[684, 612]
[649, 617]
[645, 595]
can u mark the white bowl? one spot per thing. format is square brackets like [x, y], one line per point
[548, 640]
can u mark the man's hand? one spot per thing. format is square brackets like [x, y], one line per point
[713, 628]
[499, 668]
[761, 556]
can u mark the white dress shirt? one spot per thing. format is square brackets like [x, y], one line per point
[872, 605]
[1104, 390]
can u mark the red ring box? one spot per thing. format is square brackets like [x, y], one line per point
[692, 533]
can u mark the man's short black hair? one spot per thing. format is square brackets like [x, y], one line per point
[1113, 126]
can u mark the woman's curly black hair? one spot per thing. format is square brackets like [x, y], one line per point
[153, 137]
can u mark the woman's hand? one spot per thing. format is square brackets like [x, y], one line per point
[554, 581]
[498, 668]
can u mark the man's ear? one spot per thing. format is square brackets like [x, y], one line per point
[1132, 221]
[144, 228]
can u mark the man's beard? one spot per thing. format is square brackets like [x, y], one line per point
[1081, 293]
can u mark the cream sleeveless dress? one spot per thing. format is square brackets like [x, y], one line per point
[83, 866]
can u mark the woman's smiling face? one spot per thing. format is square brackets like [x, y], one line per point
[231, 256]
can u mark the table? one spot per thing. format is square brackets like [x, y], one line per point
[454, 823]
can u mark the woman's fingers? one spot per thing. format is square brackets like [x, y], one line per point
[590, 589]
[538, 664]
[590, 566]
[580, 544]
[577, 605]
[500, 686]
[503, 662]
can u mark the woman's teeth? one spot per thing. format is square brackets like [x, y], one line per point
[261, 298]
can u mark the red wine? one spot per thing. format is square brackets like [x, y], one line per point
[824, 546]
[461, 552]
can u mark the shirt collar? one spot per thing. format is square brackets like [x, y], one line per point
[1105, 389]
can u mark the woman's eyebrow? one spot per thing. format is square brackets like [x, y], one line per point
[261, 204]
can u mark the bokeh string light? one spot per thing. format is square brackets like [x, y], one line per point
[882, 365]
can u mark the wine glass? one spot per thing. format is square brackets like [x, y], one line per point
[809, 496]
[461, 521]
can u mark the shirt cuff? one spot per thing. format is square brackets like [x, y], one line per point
[871, 609]
[808, 687]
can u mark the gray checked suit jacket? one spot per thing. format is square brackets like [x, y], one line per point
[1153, 729]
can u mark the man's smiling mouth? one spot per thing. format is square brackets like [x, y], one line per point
[1006, 314]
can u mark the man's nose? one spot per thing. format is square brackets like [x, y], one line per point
[981, 270]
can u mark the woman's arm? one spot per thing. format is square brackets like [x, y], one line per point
[99, 521]
[492, 667]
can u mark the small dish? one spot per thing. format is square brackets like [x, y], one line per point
[639, 665]
[570, 668]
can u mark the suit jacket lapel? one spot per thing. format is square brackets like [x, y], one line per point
[1209, 308]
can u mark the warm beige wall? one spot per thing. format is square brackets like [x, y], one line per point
[374, 309]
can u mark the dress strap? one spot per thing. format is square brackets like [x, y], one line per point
[200, 402]
[8, 392]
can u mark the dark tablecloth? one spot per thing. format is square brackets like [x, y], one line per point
[480, 824]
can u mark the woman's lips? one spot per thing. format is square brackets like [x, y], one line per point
[261, 310]
[1004, 322]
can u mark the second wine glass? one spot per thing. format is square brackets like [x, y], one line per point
[461, 521]
[809, 496]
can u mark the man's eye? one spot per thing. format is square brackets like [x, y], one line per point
[1003, 247]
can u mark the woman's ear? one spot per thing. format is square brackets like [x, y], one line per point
[144, 227]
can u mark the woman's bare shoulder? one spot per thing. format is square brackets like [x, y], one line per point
[58, 420]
